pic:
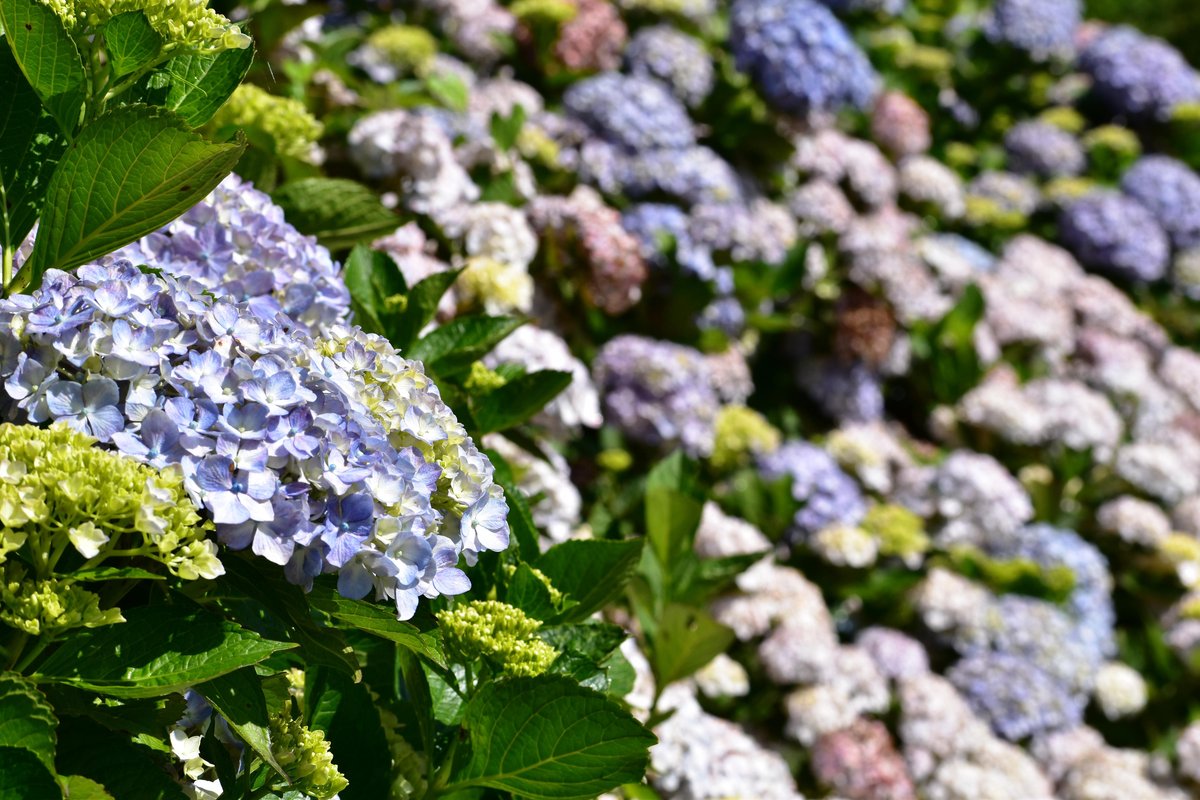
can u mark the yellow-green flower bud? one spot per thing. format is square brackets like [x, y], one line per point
[49, 606]
[406, 47]
[900, 532]
[544, 12]
[499, 633]
[1065, 118]
[187, 24]
[614, 459]
[305, 757]
[482, 380]
[288, 122]
[741, 433]
[499, 287]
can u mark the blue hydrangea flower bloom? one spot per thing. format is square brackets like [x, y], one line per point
[634, 113]
[1137, 75]
[1043, 150]
[1171, 191]
[317, 453]
[1039, 27]
[690, 176]
[888, 8]
[802, 58]
[673, 57]
[829, 495]
[658, 393]
[1017, 698]
[1112, 233]
[652, 223]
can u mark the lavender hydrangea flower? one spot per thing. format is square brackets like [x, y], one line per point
[657, 392]
[1041, 149]
[237, 241]
[1015, 696]
[1137, 75]
[1115, 234]
[802, 58]
[653, 223]
[673, 57]
[1171, 192]
[1039, 27]
[633, 112]
[314, 452]
[829, 495]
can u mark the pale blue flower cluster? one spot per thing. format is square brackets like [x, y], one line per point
[1014, 695]
[678, 60]
[801, 56]
[1114, 234]
[236, 243]
[1043, 150]
[1171, 191]
[829, 496]
[1140, 76]
[321, 454]
[1039, 27]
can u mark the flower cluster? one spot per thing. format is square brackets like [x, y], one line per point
[498, 632]
[187, 24]
[801, 56]
[1041, 29]
[294, 130]
[1137, 75]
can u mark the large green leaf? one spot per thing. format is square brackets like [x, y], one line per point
[674, 503]
[130, 42]
[81, 788]
[286, 605]
[452, 347]
[30, 146]
[374, 281]
[158, 650]
[351, 721]
[26, 718]
[48, 58]
[590, 571]
[24, 777]
[422, 304]
[340, 213]
[378, 621]
[126, 175]
[685, 640]
[519, 399]
[239, 699]
[126, 770]
[198, 85]
[548, 737]
[589, 655]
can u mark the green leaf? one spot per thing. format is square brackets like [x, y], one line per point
[452, 347]
[350, 719]
[379, 621]
[198, 85]
[158, 650]
[404, 328]
[550, 738]
[24, 777]
[48, 57]
[592, 572]
[81, 788]
[588, 651]
[527, 592]
[125, 770]
[141, 716]
[126, 175]
[26, 718]
[448, 90]
[685, 640]
[519, 399]
[239, 698]
[116, 574]
[287, 604]
[339, 212]
[505, 130]
[674, 503]
[30, 146]
[130, 42]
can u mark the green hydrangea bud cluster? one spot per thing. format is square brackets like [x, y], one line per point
[305, 757]
[1015, 575]
[544, 12]
[1064, 118]
[556, 597]
[1111, 149]
[186, 24]
[501, 633]
[406, 47]
[49, 606]
[900, 532]
[288, 122]
[481, 380]
[739, 434]
[58, 492]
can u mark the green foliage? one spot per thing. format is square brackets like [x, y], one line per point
[131, 42]
[518, 742]
[157, 650]
[24, 777]
[27, 720]
[197, 85]
[48, 57]
[126, 175]
[518, 400]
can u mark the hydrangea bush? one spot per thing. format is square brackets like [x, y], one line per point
[623, 399]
